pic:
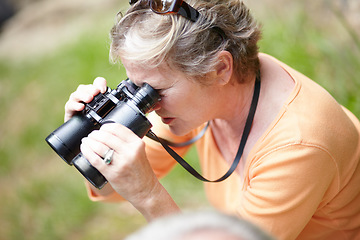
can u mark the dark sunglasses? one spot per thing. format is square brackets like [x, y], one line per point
[171, 7]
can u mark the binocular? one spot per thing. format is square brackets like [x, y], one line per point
[127, 105]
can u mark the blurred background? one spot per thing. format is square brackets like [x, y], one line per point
[48, 48]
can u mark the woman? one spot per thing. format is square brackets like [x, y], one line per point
[299, 172]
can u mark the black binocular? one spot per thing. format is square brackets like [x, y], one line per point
[127, 105]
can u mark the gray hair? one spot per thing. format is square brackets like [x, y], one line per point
[182, 226]
[191, 47]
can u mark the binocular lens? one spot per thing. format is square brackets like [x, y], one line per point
[66, 139]
[89, 172]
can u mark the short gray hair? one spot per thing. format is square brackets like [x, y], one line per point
[191, 47]
[184, 225]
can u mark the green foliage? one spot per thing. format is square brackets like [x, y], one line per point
[328, 56]
[43, 198]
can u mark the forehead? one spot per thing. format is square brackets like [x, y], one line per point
[140, 73]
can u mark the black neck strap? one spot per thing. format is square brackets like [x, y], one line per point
[239, 153]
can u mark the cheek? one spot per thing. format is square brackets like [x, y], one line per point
[180, 99]
[169, 104]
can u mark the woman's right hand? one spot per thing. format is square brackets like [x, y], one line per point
[83, 94]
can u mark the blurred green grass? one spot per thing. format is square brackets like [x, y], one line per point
[43, 198]
[320, 52]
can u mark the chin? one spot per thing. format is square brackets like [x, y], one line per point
[179, 131]
[182, 129]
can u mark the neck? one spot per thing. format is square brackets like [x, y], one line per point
[235, 107]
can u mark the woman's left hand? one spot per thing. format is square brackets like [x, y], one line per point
[129, 173]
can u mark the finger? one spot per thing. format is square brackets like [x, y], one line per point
[84, 93]
[121, 145]
[120, 131]
[72, 106]
[91, 156]
[97, 147]
[125, 143]
[107, 139]
[101, 84]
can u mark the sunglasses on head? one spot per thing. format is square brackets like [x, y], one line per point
[171, 7]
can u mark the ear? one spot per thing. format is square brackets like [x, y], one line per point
[224, 68]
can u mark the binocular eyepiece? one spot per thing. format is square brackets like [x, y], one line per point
[127, 105]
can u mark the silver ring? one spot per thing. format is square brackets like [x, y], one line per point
[108, 156]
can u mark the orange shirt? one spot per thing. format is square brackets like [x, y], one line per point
[301, 179]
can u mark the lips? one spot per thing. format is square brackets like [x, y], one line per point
[164, 118]
[167, 120]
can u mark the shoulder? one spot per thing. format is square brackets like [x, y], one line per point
[312, 121]
[310, 114]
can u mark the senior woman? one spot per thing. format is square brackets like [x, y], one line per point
[299, 173]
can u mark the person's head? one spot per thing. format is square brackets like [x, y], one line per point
[193, 64]
[192, 47]
[200, 225]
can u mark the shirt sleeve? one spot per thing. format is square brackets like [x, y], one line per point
[286, 186]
